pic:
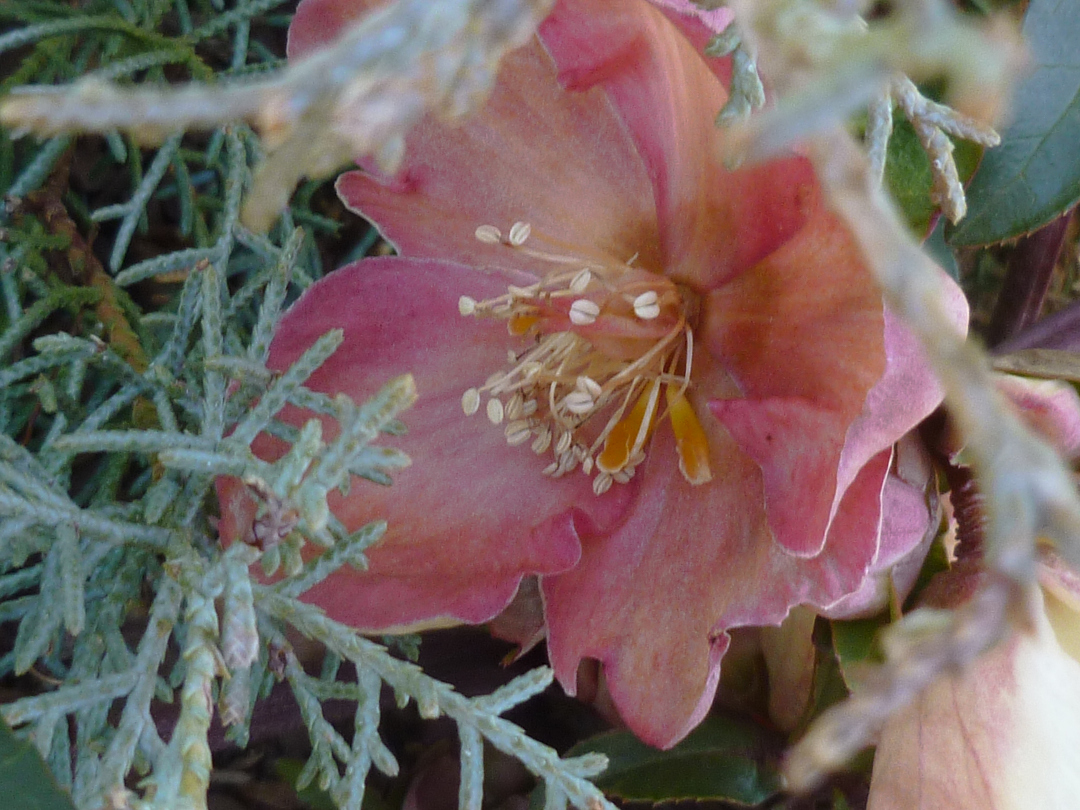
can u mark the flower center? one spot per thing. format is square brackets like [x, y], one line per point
[610, 354]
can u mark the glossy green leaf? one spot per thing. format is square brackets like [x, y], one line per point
[722, 759]
[909, 178]
[1035, 174]
[26, 783]
[940, 251]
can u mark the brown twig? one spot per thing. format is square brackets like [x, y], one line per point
[1027, 281]
[77, 264]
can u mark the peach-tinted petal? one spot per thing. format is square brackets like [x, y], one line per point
[652, 598]
[560, 161]
[1061, 590]
[699, 27]
[461, 533]
[1001, 735]
[713, 223]
[802, 335]
[715, 20]
[906, 394]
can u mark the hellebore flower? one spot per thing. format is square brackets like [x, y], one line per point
[687, 388]
[1004, 732]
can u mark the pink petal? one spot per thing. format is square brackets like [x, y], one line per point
[319, 22]
[910, 516]
[522, 622]
[906, 394]
[462, 530]
[1048, 406]
[653, 598]
[559, 161]
[713, 222]
[802, 334]
[715, 20]
[1003, 734]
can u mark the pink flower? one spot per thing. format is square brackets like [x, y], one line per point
[1004, 732]
[703, 348]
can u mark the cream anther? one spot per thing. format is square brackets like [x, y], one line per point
[519, 232]
[488, 234]
[563, 444]
[589, 386]
[580, 282]
[470, 401]
[515, 407]
[602, 483]
[579, 402]
[494, 411]
[646, 306]
[466, 305]
[543, 441]
[583, 312]
[517, 432]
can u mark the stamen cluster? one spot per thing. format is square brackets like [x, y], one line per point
[607, 339]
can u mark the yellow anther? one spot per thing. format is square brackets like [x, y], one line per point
[690, 439]
[629, 434]
[521, 323]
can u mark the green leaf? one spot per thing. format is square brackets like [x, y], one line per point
[937, 561]
[909, 178]
[940, 251]
[722, 759]
[855, 645]
[1035, 174]
[288, 770]
[25, 781]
